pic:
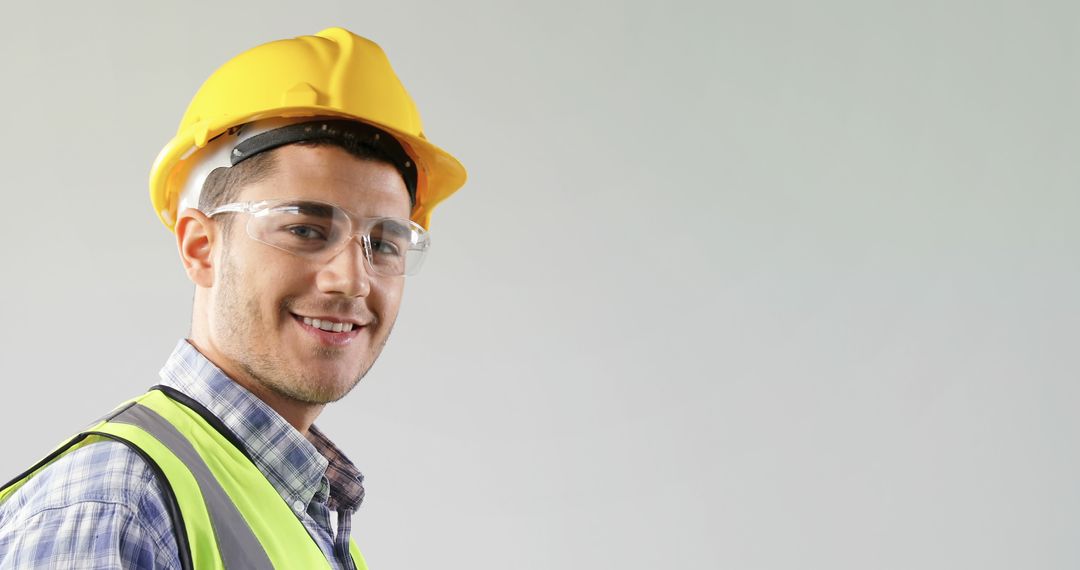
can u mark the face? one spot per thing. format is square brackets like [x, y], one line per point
[261, 294]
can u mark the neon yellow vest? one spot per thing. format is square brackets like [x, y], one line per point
[225, 513]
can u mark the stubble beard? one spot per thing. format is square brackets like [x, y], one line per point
[264, 366]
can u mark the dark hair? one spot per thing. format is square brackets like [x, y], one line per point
[224, 183]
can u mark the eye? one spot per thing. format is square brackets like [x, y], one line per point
[384, 247]
[306, 232]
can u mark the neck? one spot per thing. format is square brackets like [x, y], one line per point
[299, 414]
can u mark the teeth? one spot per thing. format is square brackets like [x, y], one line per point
[328, 326]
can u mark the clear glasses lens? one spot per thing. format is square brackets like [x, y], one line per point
[320, 231]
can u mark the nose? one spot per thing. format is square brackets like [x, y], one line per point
[347, 272]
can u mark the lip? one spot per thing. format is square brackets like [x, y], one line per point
[333, 318]
[326, 337]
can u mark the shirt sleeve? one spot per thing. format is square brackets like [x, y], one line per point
[98, 507]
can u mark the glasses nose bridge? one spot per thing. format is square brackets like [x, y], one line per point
[360, 236]
[334, 257]
[360, 232]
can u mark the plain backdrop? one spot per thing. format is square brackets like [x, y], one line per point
[740, 285]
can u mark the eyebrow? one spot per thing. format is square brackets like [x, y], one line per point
[396, 228]
[308, 208]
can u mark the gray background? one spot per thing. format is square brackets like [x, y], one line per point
[754, 285]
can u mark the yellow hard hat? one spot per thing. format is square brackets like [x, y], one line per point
[334, 73]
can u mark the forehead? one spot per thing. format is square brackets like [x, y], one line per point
[330, 174]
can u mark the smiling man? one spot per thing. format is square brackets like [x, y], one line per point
[300, 188]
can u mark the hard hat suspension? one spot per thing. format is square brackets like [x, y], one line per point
[349, 134]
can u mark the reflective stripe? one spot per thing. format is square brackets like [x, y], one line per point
[239, 548]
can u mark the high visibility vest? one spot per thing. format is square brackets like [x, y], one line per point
[225, 513]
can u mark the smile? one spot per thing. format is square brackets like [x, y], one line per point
[328, 325]
[330, 332]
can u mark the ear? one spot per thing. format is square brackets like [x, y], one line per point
[196, 235]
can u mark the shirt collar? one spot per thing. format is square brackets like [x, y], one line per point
[294, 465]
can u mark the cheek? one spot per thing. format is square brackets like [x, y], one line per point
[270, 286]
[385, 298]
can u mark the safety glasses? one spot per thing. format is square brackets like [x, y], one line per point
[319, 231]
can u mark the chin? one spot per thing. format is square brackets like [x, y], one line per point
[325, 391]
[309, 394]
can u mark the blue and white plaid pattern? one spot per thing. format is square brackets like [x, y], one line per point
[97, 507]
[101, 507]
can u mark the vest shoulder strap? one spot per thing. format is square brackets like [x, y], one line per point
[226, 514]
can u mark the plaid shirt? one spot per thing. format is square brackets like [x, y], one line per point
[100, 506]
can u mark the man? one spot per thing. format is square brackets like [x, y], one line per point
[300, 188]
